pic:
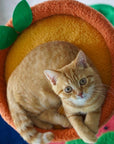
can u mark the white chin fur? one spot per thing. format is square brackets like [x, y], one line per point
[81, 101]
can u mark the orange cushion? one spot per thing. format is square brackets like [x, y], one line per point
[99, 25]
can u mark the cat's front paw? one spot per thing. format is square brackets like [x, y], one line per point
[90, 139]
[92, 128]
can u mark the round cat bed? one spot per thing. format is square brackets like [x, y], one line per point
[71, 21]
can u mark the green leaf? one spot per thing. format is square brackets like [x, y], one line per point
[22, 16]
[7, 36]
[106, 138]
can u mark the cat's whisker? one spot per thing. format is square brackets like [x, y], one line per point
[104, 85]
[109, 88]
[111, 92]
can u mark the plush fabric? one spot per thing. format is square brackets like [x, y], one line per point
[109, 126]
[66, 28]
[107, 138]
[22, 16]
[6, 32]
[98, 22]
[106, 10]
[8, 135]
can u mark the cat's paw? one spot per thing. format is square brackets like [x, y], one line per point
[93, 128]
[48, 137]
[90, 139]
[42, 138]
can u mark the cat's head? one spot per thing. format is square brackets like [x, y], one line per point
[77, 81]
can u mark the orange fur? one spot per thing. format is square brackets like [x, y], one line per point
[82, 99]
[30, 97]
[97, 21]
[32, 101]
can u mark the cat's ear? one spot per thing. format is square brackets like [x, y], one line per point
[81, 60]
[52, 76]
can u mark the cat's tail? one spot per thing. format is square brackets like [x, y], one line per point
[24, 125]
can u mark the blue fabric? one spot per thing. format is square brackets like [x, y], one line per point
[8, 135]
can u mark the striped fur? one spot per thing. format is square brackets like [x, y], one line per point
[33, 102]
[31, 99]
[84, 99]
[24, 125]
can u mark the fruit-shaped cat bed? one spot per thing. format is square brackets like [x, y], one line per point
[64, 20]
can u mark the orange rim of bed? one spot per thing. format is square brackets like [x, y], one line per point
[76, 9]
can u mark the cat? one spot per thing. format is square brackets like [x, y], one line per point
[49, 76]
[82, 93]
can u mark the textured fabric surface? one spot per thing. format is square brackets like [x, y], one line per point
[93, 18]
[7, 37]
[106, 10]
[109, 126]
[9, 135]
[66, 28]
[22, 16]
[107, 138]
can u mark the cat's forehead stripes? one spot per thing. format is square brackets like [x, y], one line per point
[90, 76]
[71, 76]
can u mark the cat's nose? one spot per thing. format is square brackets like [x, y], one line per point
[80, 94]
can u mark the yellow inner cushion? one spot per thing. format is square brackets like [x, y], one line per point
[65, 28]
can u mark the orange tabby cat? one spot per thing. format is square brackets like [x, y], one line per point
[32, 101]
[82, 94]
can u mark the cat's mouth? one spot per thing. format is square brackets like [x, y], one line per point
[80, 96]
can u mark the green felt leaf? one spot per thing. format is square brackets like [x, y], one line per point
[22, 16]
[107, 138]
[7, 36]
[78, 141]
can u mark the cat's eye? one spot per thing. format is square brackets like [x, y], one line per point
[83, 81]
[68, 89]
